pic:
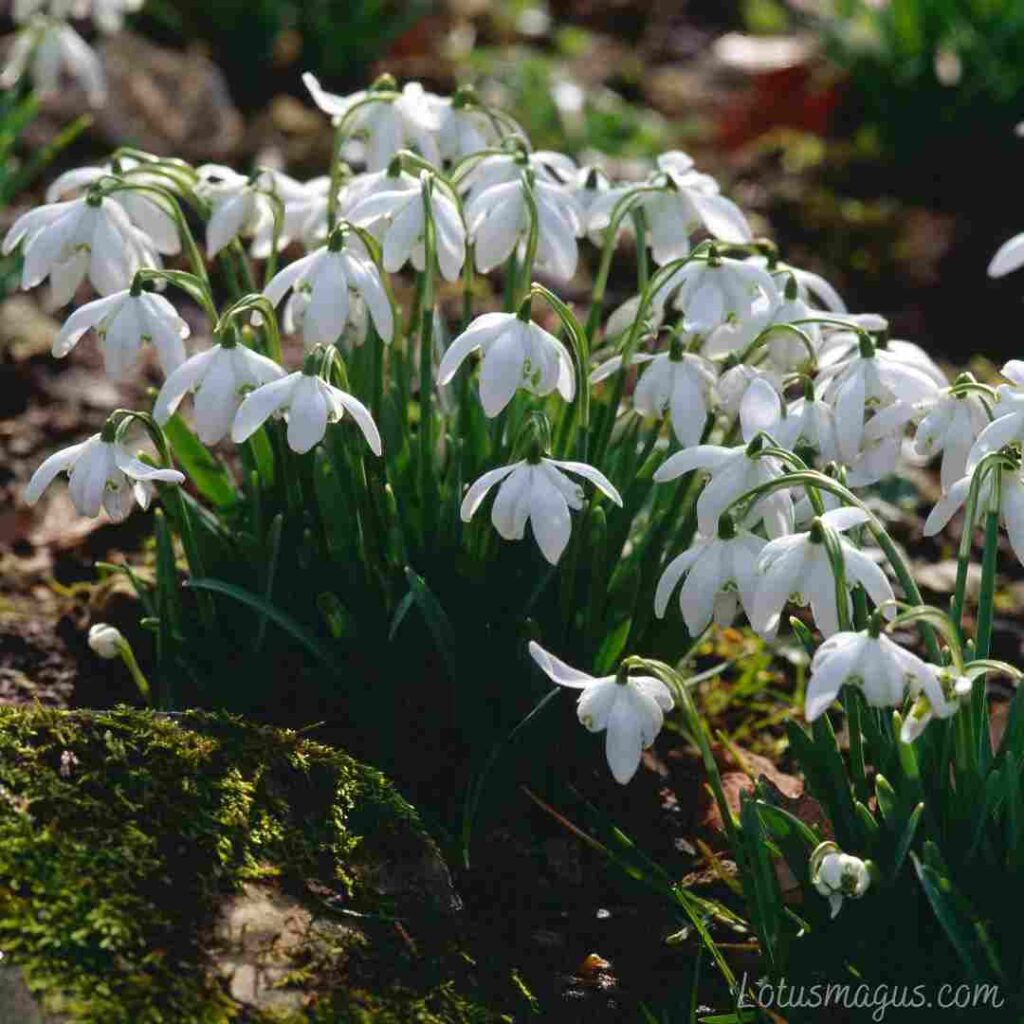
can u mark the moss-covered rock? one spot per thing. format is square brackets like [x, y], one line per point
[128, 839]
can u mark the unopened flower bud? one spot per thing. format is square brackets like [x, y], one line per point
[106, 640]
[837, 875]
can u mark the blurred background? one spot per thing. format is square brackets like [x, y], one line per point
[875, 139]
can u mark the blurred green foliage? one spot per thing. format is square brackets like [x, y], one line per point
[263, 45]
[928, 70]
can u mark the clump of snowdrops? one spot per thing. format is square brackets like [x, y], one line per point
[380, 483]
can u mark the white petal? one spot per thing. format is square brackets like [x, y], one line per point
[557, 670]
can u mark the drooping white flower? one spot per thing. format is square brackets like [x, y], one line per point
[247, 205]
[388, 119]
[733, 472]
[517, 353]
[309, 403]
[682, 383]
[219, 377]
[714, 291]
[47, 47]
[940, 696]
[330, 287]
[882, 670]
[1007, 423]
[465, 126]
[498, 220]
[398, 219]
[951, 426]
[809, 422]
[88, 236]
[685, 202]
[102, 474]
[629, 709]
[549, 167]
[146, 211]
[123, 322]
[838, 876]
[867, 379]
[539, 492]
[721, 574]
[106, 640]
[1011, 506]
[798, 568]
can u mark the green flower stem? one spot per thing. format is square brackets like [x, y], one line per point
[338, 140]
[983, 632]
[128, 657]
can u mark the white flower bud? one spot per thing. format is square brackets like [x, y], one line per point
[106, 640]
[837, 875]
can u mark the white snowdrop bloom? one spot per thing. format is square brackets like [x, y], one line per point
[1011, 507]
[629, 709]
[813, 289]
[687, 202]
[398, 218]
[465, 126]
[1008, 258]
[733, 472]
[102, 474]
[325, 282]
[549, 167]
[309, 403]
[682, 383]
[388, 119]
[245, 206]
[734, 383]
[720, 573]
[951, 426]
[146, 211]
[940, 696]
[711, 292]
[881, 444]
[82, 237]
[538, 491]
[911, 354]
[219, 377]
[517, 353]
[882, 670]
[498, 219]
[47, 47]
[1007, 424]
[869, 378]
[106, 640]
[797, 568]
[838, 876]
[761, 410]
[123, 322]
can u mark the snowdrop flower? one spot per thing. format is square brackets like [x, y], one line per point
[465, 126]
[398, 218]
[881, 444]
[1011, 506]
[43, 49]
[107, 14]
[809, 423]
[536, 490]
[882, 670]
[1007, 424]
[499, 219]
[870, 378]
[88, 236]
[733, 472]
[951, 426]
[146, 211]
[333, 285]
[517, 353]
[106, 640]
[838, 876]
[682, 383]
[798, 568]
[506, 168]
[219, 378]
[1008, 258]
[940, 696]
[629, 709]
[122, 322]
[102, 474]
[388, 119]
[309, 403]
[734, 383]
[244, 205]
[686, 202]
[720, 575]
[713, 291]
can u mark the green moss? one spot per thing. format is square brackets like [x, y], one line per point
[120, 833]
